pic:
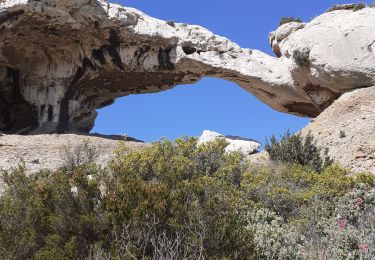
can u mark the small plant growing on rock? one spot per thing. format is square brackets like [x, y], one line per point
[359, 7]
[171, 23]
[353, 7]
[83, 154]
[290, 19]
[302, 57]
[296, 149]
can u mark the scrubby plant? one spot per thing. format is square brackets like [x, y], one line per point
[171, 23]
[302, 57]
[172, 200]
[287, 189]
[342, 134]
[359, 6]
[353, 7]
[348, 233]
[82, 154]
[273, 238]
[289, 19]
[296, 149]
[177, 200]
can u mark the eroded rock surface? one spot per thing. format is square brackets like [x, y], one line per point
[51, 151]
[347, 128]
[235, 143]
[60, 60]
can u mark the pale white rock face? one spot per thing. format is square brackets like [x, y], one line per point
[235, 144]
[282, 33]
[209, 136]
[342, 50]
[243, 146]
[50, 151]
[81, 55]
[347, 129]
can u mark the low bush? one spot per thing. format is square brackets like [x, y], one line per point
[289, 19]
[302, 57]
[295, 149]
[82, 154]
[177, 200]
[169, 201]
[359, 6]
[353, 7]
[348, 232]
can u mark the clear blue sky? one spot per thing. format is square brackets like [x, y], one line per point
[212, 104]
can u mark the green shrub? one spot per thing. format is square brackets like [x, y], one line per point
[177, 200]
[359, 6]
[348, 233]
[170, 199]
[273, 238]
[287, 189]
[304, 203]
[289, 19]
[353, 7]
[295, 149]
[302, 57]
[171, 23]
[82, 154]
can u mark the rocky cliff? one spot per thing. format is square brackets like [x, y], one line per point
[60, 60]
[52, 151]
[347, 128]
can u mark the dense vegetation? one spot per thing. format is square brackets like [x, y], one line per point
[294, 149]
[174, 200]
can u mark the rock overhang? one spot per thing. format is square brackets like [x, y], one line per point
[62, 60]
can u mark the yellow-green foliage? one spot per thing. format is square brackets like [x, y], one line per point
[172, 200]
[287, 188]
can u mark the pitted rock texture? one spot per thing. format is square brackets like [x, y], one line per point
[60, 60]
[347, 128]
[50, 151]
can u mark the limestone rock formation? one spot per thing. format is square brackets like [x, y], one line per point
[60, 60]
[50, 151]
[347, 128]
[235, 143]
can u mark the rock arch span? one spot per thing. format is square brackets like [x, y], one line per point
[60, 60]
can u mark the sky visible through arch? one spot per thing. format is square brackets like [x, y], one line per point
[212, 104]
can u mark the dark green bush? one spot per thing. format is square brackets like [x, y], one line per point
[295, 149]
[171, 23]
[302, 57]
[353, 7]
[359, 6]
[289, 19]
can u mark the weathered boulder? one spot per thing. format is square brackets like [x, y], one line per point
[235, 144]
[347, 128]
[52, 151]
[60, 60]
[282, 33]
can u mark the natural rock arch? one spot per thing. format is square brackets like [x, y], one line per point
[60, 60]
